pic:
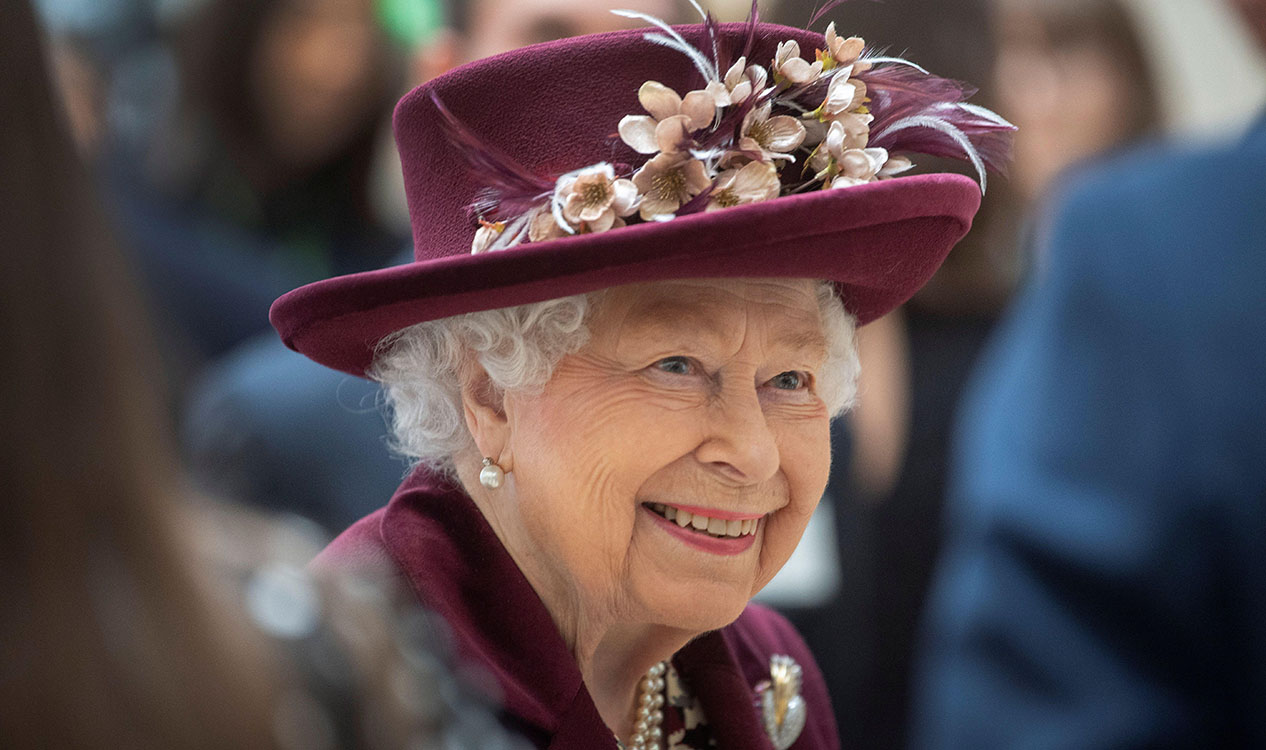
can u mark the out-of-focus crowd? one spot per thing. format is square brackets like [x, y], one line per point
[237, 149]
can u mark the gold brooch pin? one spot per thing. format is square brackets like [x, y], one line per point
[782, 708]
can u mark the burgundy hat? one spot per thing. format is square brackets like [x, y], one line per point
[554, 108]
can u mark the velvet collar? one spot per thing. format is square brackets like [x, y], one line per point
[458, 567]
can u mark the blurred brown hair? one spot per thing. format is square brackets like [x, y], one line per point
[107, 636]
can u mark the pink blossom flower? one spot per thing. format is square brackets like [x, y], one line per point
[858, 166]
[667, 181]
[595, 199]
[789, 66]
[740, 82]
[487, 233]
[644, 134]
[848, 131]
[843, 95]
[766, 138]
[752, 183]
[843, 51]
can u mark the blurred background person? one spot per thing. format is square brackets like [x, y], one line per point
[270, 427]
[260, 176]
[133, 616]
[1102, 584]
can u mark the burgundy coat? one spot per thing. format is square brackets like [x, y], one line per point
[435, 539]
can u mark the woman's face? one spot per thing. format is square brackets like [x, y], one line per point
[1070, 97]
[691, 397]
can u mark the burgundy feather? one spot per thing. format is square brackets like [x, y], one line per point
[749, 34]
[992, 141]
[698, 203]
[509, 185]
[830, 6]
[728, 129]
[710, 32]
[900, 91]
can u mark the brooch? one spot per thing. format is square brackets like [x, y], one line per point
[782, 709]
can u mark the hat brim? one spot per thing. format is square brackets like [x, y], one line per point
[878, 242]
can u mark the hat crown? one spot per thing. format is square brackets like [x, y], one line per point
[553, 107]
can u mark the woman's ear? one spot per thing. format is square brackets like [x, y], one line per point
[483, 406]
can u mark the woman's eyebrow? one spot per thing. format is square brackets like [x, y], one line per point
[658, 328]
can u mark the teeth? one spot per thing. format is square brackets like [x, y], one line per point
[714, 526]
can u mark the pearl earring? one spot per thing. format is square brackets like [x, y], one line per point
[491, 475]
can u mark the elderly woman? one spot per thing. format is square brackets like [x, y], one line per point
[618, 351]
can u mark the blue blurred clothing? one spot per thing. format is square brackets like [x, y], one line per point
[273, 429]
[1103, 583]
[214, 256]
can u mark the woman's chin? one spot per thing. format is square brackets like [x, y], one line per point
[695, 609]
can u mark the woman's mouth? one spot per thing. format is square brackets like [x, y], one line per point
[719, 528]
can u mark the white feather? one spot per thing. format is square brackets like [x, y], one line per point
[895, 60]
[959, 137]
[673, 41]
[981, 112]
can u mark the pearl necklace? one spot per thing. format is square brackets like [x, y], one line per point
[647, 732]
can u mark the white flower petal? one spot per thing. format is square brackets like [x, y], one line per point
[735, 73]
[638, 131]
[878, 158]
[653, 206]
[785, 133]
[847, 51]
[755, 179]
[696, 176]
[758, 76]
[786, 51]
[625, 200]
[895, 166]
[659, 100]
[720, 94]
[700, 107]
[741, 91]
[602, 222]
[483, 238]
[798, 70]
[673, 133]
[574, 208]
[839, 95]
[834, 142]
[843, 181]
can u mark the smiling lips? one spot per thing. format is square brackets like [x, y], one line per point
[732, 526]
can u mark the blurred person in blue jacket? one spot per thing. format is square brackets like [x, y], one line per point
[1103, 583]
[888, 483]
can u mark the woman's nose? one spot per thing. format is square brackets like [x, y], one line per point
[739, 443]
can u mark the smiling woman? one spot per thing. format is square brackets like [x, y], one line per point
[616, 381]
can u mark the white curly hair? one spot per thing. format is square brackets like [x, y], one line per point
[420, 367]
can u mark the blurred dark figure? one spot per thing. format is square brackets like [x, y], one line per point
[1072, 75]
[274, 429]
[1104, 578]
[261, 179]
[106, 636]
[131, 617]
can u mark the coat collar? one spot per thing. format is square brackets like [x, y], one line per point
[458, 567]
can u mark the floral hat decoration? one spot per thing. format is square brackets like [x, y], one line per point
[705, 150]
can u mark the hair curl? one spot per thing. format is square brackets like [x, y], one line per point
[421, 367]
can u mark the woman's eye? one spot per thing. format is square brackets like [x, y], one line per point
[789, 381]
[675, 365]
